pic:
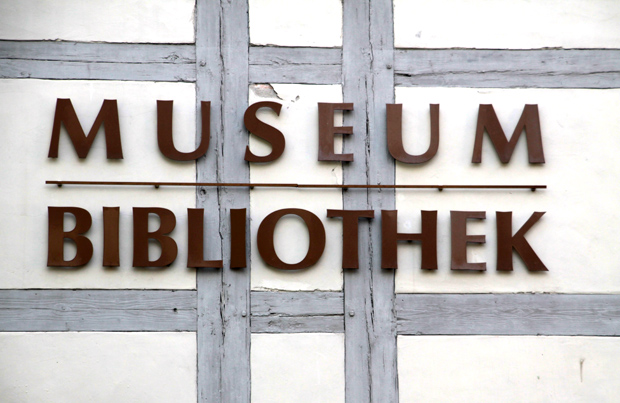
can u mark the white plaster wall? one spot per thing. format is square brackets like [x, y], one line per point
[26, 117]
[296, 23]
[515, 24]
[97, 367]
[306, 367]
[152, 21]
[508, 369]
[576, 238]
[298, 121]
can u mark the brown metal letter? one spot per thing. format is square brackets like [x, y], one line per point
[111, 217]
[390, 237]
[164, 132]
[195, 240]
[350, 221]
[237, 238]
[327, 131]
[394, 123]
[316, 232]
[506, 242]
[108, 116]
[264, 131]
[529, 121]
[56, 237]
[459, 239]
[141, 236]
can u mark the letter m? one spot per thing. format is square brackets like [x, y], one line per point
[529, 122]
[108, 116]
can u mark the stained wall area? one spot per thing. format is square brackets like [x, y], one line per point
[323, 333]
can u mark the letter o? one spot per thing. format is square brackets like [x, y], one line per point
[316, 232]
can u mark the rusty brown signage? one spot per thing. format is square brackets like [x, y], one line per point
[529, 123]
[427, 237]
[508, 241]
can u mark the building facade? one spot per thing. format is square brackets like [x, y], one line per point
[250, 325]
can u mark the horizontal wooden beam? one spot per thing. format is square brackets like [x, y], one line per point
[97, 310]
[97, 61]
[539, 68]
[508, 314]
[545, 68]
[313, 312]
[98, 52]
[295, 65]
[61, 70]
[297, 312]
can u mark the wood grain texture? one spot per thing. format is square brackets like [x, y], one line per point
[370, 331]
[97, 310]
[223, 294]
[233, 168]
[575, 68]
[62, 70]
[316, 303]
[210, 324]
[296, 74]
[298, 324]
[96, 61]
[508, 314]
[295, 65]
[270, 55]
[297, 312]
[98, 52]
[209, 281]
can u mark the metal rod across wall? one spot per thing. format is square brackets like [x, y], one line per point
[292, 185]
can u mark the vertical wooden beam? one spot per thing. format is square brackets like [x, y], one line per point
[222, 41]
[209, 281]
[370, 327]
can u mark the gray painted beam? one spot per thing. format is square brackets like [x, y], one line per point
[210, 326]
[546, 68]
[63, 70]
[508, 314]
[236, 382]
[97, 310]
[297, 312]
[295, 65]
[223, 338]
[370, 329]
[209, 337]
[98, 52]
[96, 61]
[269, 55]
[298, 324]
[294, 312]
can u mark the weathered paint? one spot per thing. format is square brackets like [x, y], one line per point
[508, 314]
[295, 65]
[97, 310]
[368, 68]
[297, 312]
[223, 294]
[298, 121]
[536, 68]
[368, 80]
